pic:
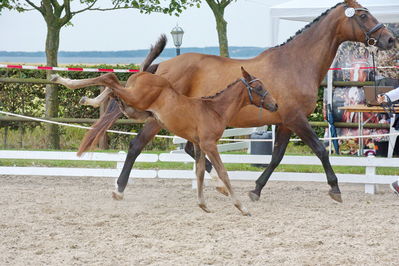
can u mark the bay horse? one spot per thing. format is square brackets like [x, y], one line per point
[293, 71]
[199, 120]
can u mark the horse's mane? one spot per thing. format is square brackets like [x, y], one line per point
[220, 92]
[308, 25]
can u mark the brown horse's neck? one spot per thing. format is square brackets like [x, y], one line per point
[229, 101]
[312, 51]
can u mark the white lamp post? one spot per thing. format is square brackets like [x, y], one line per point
[177, 34]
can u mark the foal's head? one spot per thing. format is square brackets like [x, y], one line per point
[257, 94]
[359, 25]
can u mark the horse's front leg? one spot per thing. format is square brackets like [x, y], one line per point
[189, 149]
[199, 157]
[95, 102]
[147, 133]
[211, 150]
[283, 135]
[303, 129]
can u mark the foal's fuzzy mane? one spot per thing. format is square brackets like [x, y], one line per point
[220, 92]
[309, 25]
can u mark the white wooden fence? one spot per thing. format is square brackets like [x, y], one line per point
[370, 178]
[233, 132]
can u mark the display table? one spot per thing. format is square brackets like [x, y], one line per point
[361, 108]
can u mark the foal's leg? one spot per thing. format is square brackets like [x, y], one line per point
[199, 157]
[147, 133]
[282, 138]
[213, 154]
[189, 149]
[108, 80]
[303, 129]
[95, 102]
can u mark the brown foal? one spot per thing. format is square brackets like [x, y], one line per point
[199, 120]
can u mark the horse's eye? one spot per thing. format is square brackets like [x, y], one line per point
[363, 16]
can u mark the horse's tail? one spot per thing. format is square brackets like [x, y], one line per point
[113, 112]
[155, 51]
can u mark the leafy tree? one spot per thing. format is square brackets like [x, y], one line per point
[58, 13]
[218, 7]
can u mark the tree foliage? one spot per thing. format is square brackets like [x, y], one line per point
[172, 7]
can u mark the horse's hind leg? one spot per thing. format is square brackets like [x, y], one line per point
[282, 138]
[200, 172]
[108, 80]
[303, 129]
[147, 133]
[189, 149]
[213, 154]
[95, 102]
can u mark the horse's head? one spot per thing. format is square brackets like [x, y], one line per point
[257, 94]
[359, 25]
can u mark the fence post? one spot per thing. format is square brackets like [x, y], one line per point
[370, 172]
[104, 143]
[119, 164]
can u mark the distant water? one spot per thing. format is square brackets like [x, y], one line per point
[81, 60]
[77, 60]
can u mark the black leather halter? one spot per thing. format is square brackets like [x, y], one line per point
[251, 90]
[370, 41]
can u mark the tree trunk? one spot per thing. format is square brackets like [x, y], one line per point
[221, 26]
[52, 45]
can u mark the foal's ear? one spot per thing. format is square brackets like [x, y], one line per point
[245, 74]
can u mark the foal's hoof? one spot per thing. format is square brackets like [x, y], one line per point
[245, 212]
[117, 195]
[83, 100]
[253, 196]
[222, 190]
[54, 77]
[203, 206]
[335, 196]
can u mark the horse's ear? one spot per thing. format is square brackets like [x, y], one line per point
[245, 74]
[350, 2]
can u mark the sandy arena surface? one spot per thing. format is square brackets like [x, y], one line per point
[74, 221]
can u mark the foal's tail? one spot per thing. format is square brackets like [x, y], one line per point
[98, 130]
[113, 112]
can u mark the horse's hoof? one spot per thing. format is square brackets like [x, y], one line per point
[222, 190]
[203, 206]
[83, 100]
[117, 195]
[253, 196]
[335, 196]
[54, 77]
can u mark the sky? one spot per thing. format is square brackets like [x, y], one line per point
[248, 25]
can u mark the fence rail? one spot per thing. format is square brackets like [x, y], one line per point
[45, 81]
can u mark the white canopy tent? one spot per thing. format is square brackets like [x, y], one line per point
[386, 11]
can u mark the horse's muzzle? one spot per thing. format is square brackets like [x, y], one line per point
[271, 107]
[387, 42]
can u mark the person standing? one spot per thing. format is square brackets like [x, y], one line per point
[391, 96]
